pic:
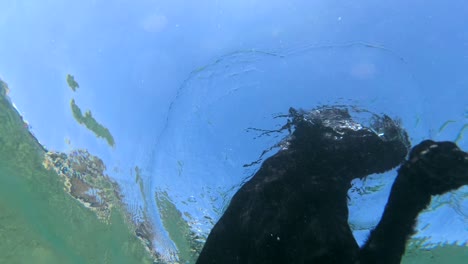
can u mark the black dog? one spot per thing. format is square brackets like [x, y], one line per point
[294, 209]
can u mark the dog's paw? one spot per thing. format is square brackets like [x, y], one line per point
[439, 166]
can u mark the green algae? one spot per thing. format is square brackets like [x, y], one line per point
[441, 254]
[90, 123]
[187, 242]
[72, 83]
[87, 119]
[461, 133]
[39, 221]
[3, 88]
[180, 167]
[445, 124]
[139, 181]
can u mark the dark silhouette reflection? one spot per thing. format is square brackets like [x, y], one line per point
[294, 209]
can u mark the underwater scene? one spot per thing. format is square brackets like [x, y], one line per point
[129, 129]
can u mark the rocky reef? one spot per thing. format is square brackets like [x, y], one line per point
[84, 180]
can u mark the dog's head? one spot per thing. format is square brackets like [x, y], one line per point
[334, 139]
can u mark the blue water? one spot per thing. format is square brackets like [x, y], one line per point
[178, 82]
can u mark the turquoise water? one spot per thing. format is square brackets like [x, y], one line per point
[39, 221]
[166, 100]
